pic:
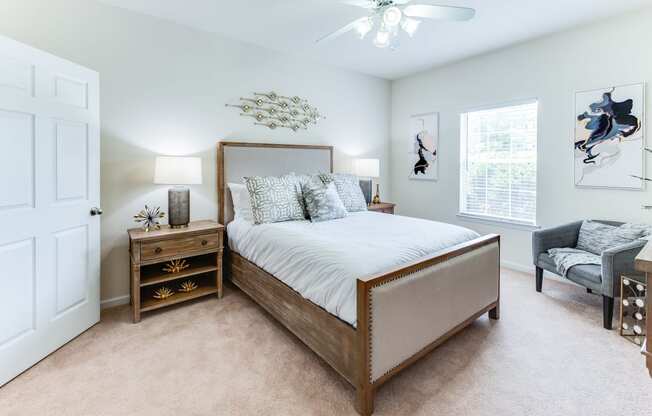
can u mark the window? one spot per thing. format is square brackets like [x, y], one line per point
[498, 178]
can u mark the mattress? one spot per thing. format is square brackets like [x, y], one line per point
[323, 260]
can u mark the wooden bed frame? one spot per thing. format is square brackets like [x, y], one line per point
[350, 350]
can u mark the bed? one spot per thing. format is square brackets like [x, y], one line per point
[370, 293]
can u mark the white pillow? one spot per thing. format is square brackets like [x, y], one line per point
[241, 202]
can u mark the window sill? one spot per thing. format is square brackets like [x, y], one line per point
[498, 221]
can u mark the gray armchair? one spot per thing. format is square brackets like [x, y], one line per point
[602, 279]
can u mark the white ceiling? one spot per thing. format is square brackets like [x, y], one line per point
[292, 26]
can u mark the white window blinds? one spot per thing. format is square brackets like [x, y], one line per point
[499, 163]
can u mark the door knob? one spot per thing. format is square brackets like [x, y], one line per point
[96, 211]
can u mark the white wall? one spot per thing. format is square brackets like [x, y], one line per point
[551, 69]
[163, 90]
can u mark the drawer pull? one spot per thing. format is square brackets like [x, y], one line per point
[158, 250]
[204, 242]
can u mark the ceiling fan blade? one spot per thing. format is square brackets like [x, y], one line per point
[439, 12]
[340, 31]
[365, 4]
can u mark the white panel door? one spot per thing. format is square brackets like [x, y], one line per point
[49, 185]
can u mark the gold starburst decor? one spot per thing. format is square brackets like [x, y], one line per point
[278, 111]
[163, 293]
[148, 218]
[175, 266]
[188, 286]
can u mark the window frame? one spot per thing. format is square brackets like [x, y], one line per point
[463, 136]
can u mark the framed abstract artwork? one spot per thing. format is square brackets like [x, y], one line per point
[424, 146]
[609, 142]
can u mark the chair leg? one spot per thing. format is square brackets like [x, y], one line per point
[588, 290]
[607, 311]
[539, 282]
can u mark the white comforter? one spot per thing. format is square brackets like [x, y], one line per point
[322, 260]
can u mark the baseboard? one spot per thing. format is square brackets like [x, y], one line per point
[516, 266]
[117, 301]
[530, 269]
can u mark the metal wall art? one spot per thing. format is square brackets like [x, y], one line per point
[277, 111]
[148, 218]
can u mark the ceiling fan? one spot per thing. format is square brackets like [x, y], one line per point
[389, 16]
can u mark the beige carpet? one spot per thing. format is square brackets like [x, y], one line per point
[548, 355]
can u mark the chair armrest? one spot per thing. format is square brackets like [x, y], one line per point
[555, 237]
[616, 262]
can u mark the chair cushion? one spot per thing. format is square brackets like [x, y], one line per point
[581, 272]
[545, 262]
[587, 275]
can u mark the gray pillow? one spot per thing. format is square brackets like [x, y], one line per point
[637, 228]
[348, 188]
[274, 199]
[322, 201]
[596, 237]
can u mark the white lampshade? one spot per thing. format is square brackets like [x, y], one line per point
[366, 168]
[177, 170]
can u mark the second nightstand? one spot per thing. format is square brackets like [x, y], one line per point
[199, 246]
[385, 207]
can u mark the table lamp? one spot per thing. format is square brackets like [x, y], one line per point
[366, 170]
[178, 171]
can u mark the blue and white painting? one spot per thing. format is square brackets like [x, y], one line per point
[609, 139]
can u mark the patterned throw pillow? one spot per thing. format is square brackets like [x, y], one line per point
[303, 178]
[348, 188]
[274, 199]
[322, 201]
[596, 237]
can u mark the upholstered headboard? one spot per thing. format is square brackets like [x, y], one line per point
[237, 159]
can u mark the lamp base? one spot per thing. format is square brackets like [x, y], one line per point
[178, 207]
[376, 199]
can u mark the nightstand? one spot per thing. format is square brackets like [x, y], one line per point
[385, 207]
[198, 247]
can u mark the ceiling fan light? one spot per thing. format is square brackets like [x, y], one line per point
[410, 26]
[363, 27]
[392, 16]
[382, 39]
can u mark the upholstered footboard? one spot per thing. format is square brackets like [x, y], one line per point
[404, 314]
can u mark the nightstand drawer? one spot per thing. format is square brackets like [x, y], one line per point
[386, 210]
[175, 247]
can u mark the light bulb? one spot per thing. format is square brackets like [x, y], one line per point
[639, 287]
[410, 26]
[363, 27]
[638, 316]
[392, 16]
[637, 330]
[625, 302]
[382, 39]
[640, 303]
